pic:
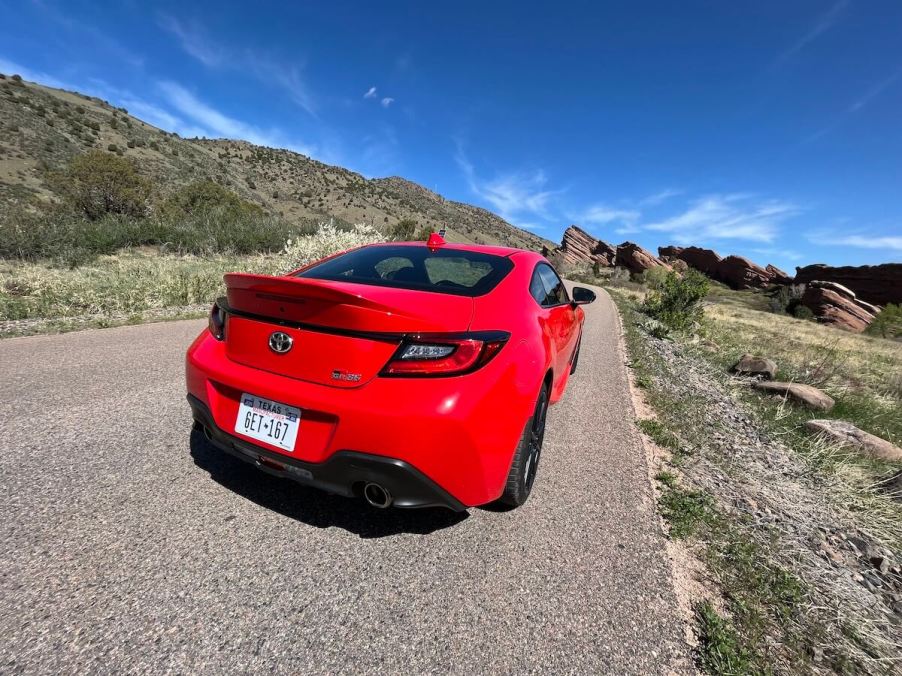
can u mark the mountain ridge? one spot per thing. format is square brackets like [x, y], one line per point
[42, 127]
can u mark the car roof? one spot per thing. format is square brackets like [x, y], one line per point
[454, 246]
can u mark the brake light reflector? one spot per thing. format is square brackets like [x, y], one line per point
[436, 355]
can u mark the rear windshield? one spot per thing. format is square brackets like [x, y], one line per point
[464, 273]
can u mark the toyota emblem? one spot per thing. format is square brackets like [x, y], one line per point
[280, 342]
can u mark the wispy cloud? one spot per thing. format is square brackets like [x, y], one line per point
[370, 93]
[601, 214]
[659, 197]
[857, 106]
[892, 242]
[821, 25]
[12, 68]
[518, 197]
[386, 101]
[736, 216]
[875, 91]
[195, 41]
[220, 124]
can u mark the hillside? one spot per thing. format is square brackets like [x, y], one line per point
[41, 128]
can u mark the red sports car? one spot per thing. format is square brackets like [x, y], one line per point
[411, 374]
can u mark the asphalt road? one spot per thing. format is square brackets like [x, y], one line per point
[127, 545]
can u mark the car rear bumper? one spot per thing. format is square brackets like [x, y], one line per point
[459, 432]
[343, 473]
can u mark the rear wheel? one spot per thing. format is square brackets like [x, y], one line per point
[525, 465]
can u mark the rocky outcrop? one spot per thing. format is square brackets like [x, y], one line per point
[878, 284]
[579, 247]
[846, 434]
[740, 273]
[777, 276]
[806, 395]
[836, 305]
[636, 259]
[734, 271]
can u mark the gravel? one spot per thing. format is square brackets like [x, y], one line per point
[127, 544]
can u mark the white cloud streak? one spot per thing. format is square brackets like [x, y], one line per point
[387, 101]
[370, 93]
[195, 42]
[862, 242]
[821, 25]
[515, 197]
[221, 124]
[717, 217]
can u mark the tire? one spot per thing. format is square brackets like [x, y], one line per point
[525, 465]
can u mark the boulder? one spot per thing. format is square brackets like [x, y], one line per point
[669, 254]
[877, 284]
[752, 365]
[579, 247]
[636, 259]
[703, 260]
[804, 394]
[740, 273]
[777, 276]
[847, 434]
[678, 265]
[836, 305]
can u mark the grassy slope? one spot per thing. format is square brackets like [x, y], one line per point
[781, 607]
[42, 128]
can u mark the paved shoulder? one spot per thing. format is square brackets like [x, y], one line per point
[128, 544]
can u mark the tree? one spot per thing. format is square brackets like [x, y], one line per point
[99, 183]
[405, 229]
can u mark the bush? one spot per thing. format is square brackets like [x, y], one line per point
[888, 324]
[654, 277]
[404, 230]
[676, 303]
[325, 241]
[98, 184]
[786, 299]
[204, 196]
[802, 312]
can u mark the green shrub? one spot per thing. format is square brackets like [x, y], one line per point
[655, 277]
[96, 184]
[676, 302]
[888, 323]
[204, 196]
[404, 230]
[802, 312]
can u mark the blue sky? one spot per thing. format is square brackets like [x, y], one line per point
[769, 129]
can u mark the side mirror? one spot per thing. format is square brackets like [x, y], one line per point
[582, 295]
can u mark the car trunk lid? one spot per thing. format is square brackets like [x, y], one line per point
[342, 334]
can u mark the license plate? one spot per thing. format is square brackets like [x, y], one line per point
[268, 421]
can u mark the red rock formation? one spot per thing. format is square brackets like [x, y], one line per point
[834, 304]
[735, 271]
[668, 254]
[579, 247]
[777, 276]
[740, 273]
[880, 284]
[636, 259]
[703, 260]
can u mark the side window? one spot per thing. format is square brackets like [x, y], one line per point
[557, 293]
[537, 289]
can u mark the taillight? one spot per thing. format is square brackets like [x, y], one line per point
[217, 321]
[445, 355]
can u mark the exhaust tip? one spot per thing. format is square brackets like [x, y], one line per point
[377, 496]
[207, 433]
